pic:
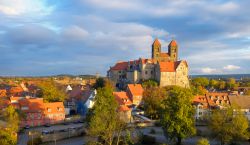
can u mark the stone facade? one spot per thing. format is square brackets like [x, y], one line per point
[162, 67]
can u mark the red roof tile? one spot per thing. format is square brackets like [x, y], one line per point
[156, 42]
[120, 66]
[122, 98]
[135, 89]
[164, 55]
[173, 43]
[55, 107]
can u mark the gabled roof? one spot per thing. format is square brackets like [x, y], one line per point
[167, 66]
[120, 66]
[34, 105]
[135, 89]
[173, 43]
[55, 107]
[156, 42]
[122, 98]
[164, 55]
[242, 101]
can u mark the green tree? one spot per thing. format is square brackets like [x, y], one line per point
[50, 92]
[213, 83]
[8, 134]
[177, 116]
[7, 137]
[203, 141]
[231, 84]
[11, 116]
[228, 125]
[222, 85]
[149, 84]
[153, 97]
[104, 120]
[100, 83]
[200, 81]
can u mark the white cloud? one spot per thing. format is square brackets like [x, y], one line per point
[208, 70]
[231, 67]
[29, 7]
[75, 33]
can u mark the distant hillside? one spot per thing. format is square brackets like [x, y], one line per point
[224, 76]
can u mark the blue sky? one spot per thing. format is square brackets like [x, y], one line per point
[44, 37]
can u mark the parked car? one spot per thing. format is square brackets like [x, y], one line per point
[45, 132]
[47, 125]
[26, 127]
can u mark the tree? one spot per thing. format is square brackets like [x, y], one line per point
[213, 83]
[177, 116]
[104, 120]
[228, 125]
[50, 92]
[100, 83]
[11, 116]
[149, 84]
[7, 137]
[152, 98]
[222, 85]
[8, 134]
[231, 83]
[203, 141]
[200, 81]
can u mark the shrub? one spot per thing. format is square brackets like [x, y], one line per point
[203, 141]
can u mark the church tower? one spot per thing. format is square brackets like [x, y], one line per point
[156, 49]
[173, 50]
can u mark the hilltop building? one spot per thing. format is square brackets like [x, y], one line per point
[162, 67]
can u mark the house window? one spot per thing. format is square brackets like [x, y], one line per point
[146, 72]
[151, 72]
[48, 109]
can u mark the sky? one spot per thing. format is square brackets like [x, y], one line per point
[49, 37]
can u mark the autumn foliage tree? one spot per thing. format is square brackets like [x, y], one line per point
[152, 98]
[50, 92]
[8, 134]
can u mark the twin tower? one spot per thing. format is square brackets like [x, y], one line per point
[171, 55]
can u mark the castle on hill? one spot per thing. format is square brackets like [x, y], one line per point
[162, 67]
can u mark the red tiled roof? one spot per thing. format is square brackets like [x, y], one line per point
[3, 93]
[156, 42]
[169, 66]
[173, 43]
[14, 90]
[135, 89]
[217, 98]
[120, 66]
[34, 105]
[164, 54]
[55, 107]
[122, 98]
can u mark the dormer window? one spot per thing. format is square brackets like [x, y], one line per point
[59, 109]
[48, 109]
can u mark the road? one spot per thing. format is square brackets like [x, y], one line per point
[24, 137]
[71, 141]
